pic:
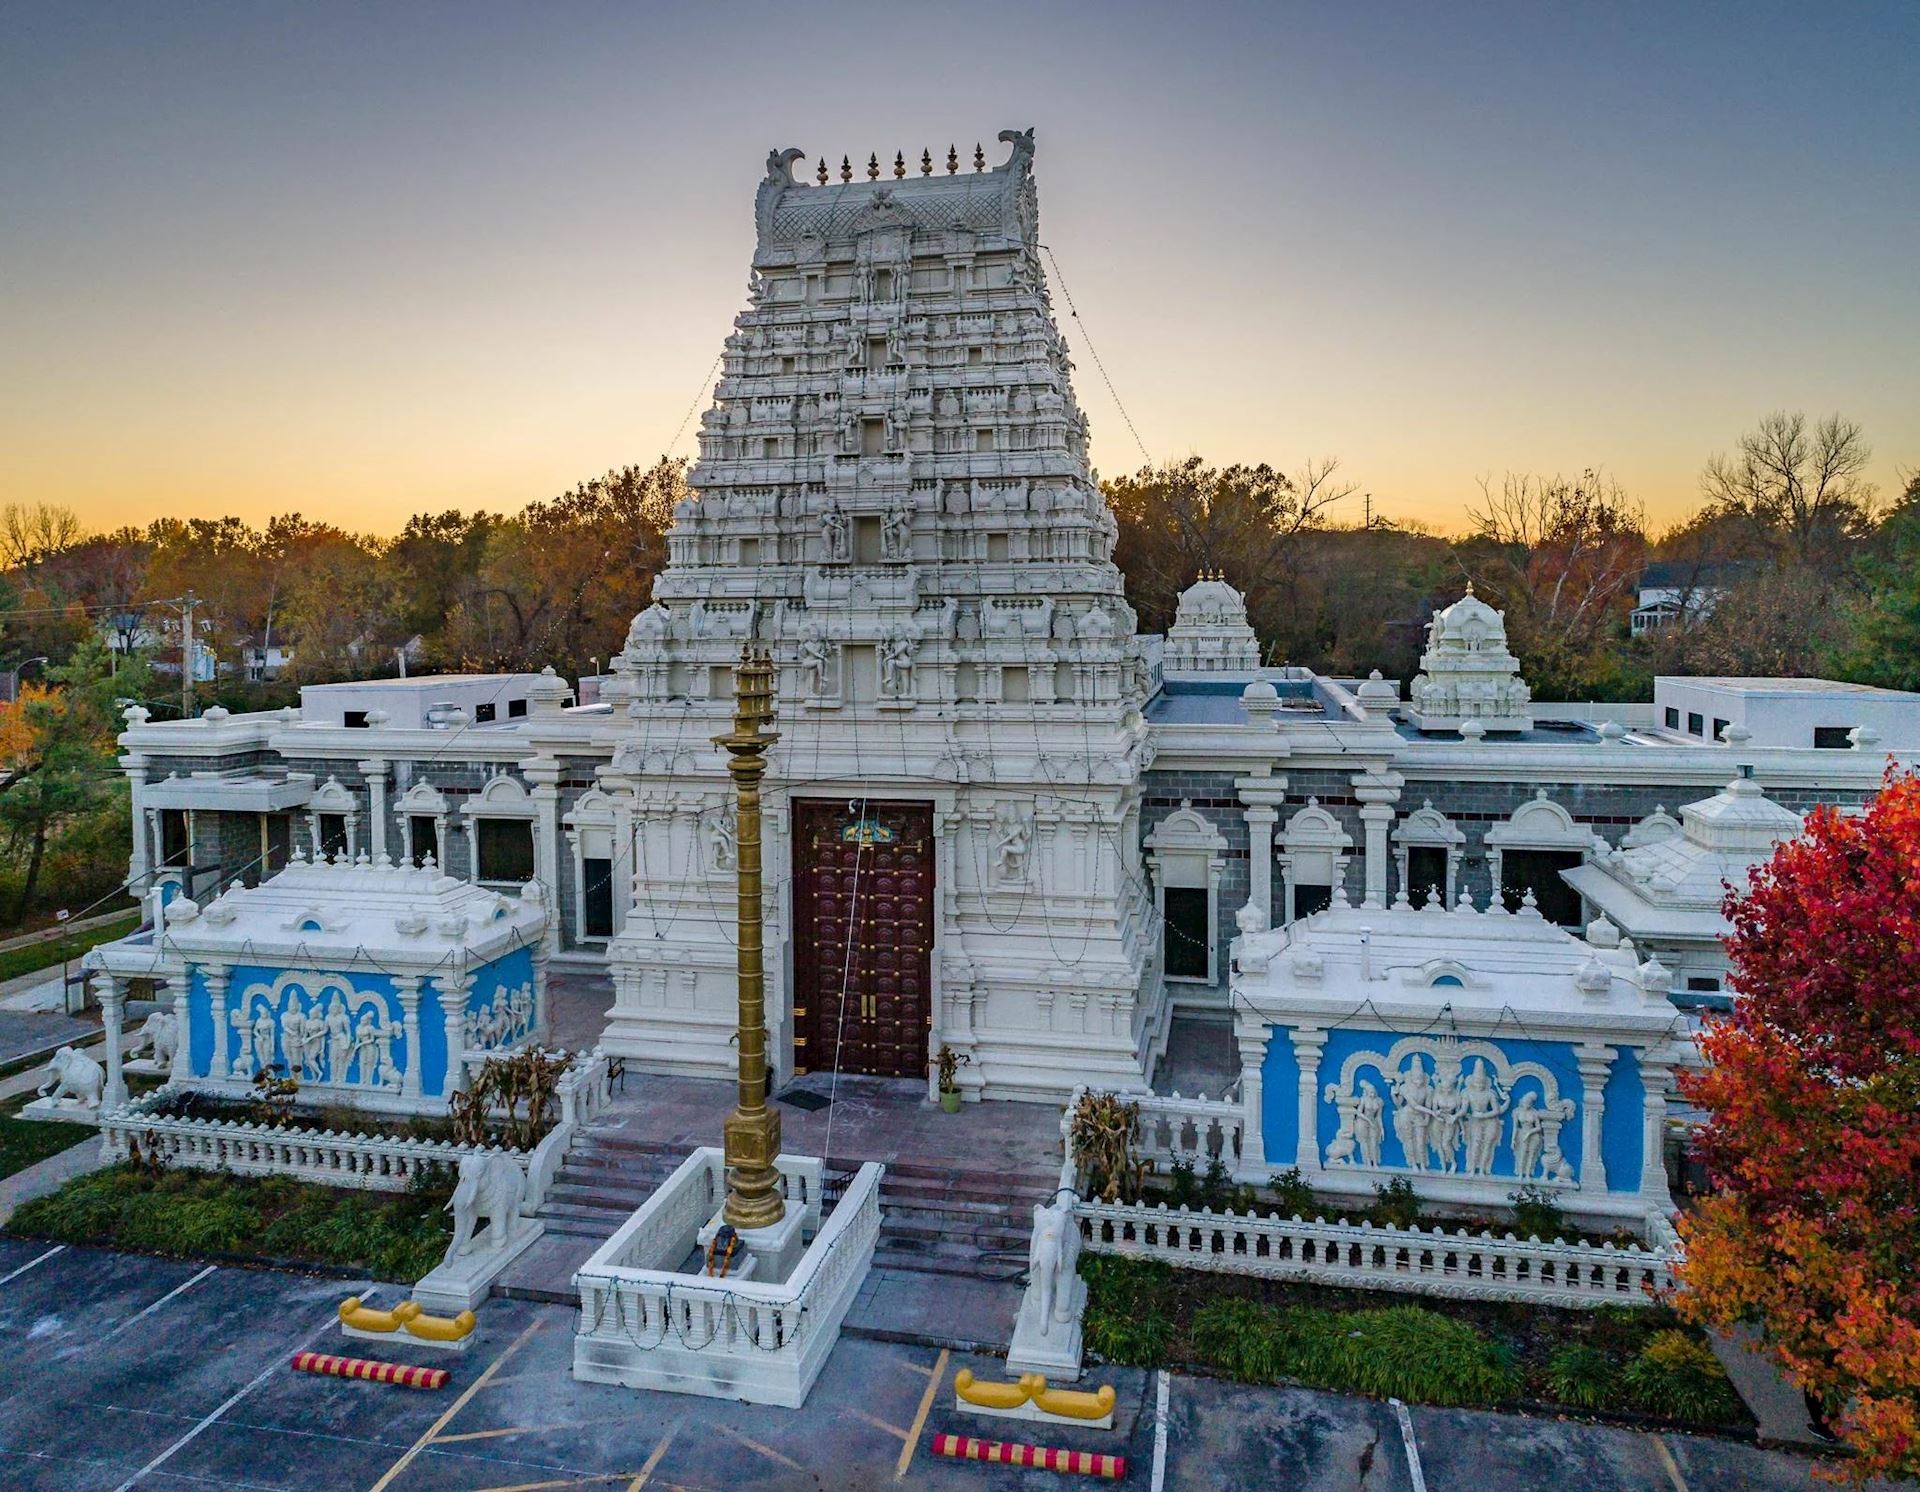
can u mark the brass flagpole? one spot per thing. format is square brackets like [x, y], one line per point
[753, 1129]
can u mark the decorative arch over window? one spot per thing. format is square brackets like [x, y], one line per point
[593, 828]
[1527, 852]
[501, 816]
[333, 820]
[1655, 827]
[424, 811]
[1313, 859]
[1186, 855]
[1427, 847]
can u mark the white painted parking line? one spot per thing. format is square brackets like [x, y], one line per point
[57, 1248]
[1414, 1473]
[1667, 1464]
[1162, 1393]
[279, 1363]
[180, 1289]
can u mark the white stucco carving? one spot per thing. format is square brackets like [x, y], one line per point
[1467, 674]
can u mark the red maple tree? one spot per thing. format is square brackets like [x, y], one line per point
[1813, 1232]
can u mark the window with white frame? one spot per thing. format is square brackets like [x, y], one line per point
[1186, 854]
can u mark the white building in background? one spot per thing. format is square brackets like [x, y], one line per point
[997, 818]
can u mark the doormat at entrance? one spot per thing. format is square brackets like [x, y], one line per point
[811, 1102]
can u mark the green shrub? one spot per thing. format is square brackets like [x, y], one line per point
[1293, 1197]
[1537, 1215]
[1403, 1352]
[1130, 1307]
[1582, 1377]
[1240, 1338]
[1394, 1205]
[1677, 1377]
[1184, 1190]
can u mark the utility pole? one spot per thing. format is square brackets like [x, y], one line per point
[186, 656]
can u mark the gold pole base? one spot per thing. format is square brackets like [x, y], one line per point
[752, 1141]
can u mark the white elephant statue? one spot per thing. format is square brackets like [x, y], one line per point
[1052, 1258]
[73, 1074]
[491, 1186]
[157, 1039]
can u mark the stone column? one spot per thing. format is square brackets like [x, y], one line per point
[454, 994]
[1378, 792]
[112, 996]
[182, 1012]
[1253, 1035]
[140, 862]
[1596, 1062]
[375, 771]
[407, 987]
[217, 978]
[544, 775]
[621, 866]
[1308, 1043]
[158, 839]
[542, 1022]
[1656, 1076]
[1263, 797]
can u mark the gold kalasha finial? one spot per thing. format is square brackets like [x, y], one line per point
[846, 168]
[979, 157]
[926, 163]
[823, 170]
[953, 160]
[873, 166]
[899, 164]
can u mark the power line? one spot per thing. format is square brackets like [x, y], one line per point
[1094, 352]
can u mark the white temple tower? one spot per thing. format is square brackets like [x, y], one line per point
[893, 496]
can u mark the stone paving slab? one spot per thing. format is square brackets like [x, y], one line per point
[28, 1033]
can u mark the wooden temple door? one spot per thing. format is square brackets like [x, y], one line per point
[863, 936]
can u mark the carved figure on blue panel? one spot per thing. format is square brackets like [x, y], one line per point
[307, 1025]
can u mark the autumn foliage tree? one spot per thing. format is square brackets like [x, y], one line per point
[1813, 1232]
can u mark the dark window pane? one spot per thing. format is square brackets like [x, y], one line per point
[173, 836]
[482, 713]
[1426, 874]
[426, 838]
[333, 834]
[506, 849]
[1538, 871]
[1673, 718]
[1832, 737]
[1696, 724]
[1310, 899]
[516, 708]
[1187, 937]
[596, 911]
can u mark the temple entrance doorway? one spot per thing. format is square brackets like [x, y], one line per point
[863, 935]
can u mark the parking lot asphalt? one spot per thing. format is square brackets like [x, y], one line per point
[124, 1372]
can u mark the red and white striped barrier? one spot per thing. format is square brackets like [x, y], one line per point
[326, 1364]
[1040, 1457]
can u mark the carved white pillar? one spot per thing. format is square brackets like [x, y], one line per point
[544, 775]
[140, 862]
[1596, 1062]
[157, 837]
[1378, 792]
[113, 1008]
[375, 771]
[621, 869]
[1656, 1077]
[1307, 1045]
[541, 1023]
[454, 994]
[1260, 821]
[217, 979]
[407, 987]
[182, 1047]
[1253, 1037]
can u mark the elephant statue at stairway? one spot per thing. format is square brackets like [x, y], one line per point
[491, 1186]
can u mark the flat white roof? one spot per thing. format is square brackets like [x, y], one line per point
[1761, 685]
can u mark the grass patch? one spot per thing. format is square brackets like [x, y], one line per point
[392, 1236]
[1461, 1353]
[17, 961]
[27, 1142]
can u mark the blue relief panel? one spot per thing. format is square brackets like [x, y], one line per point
[1621, 1126]
[500, 1006]
[1470, 1106]
[320, 1025]
[1280, 1101]
[433, 1041]
[199, 1023]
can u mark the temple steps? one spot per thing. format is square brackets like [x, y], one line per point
[953, 1221]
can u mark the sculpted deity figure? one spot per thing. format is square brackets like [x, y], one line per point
[1529, 1137]
[722, 840]
[896, 534]
[1483, 1106]
[366, 1049]
[1369, 1127]
[520, 1002]
[339, 1040]
[891, 428]
[1413, 1113]
[896, 664]
[897, 342]
[293, 1037]
[1444, 1137]
[1012, 841]
[816, 661]
[263, 1028]
[833, 531]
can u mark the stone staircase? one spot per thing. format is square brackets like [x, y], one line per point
[946, 1220]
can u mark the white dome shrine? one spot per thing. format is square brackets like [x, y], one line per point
[1467, 674]
[1210, 631]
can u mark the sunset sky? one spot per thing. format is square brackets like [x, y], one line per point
[359, 261]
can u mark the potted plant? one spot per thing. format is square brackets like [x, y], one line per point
[949, 1063]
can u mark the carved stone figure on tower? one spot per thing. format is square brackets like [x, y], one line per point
[833, 531]
[896, 534]
[896, 664]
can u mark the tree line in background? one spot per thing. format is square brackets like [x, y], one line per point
[1807, 572]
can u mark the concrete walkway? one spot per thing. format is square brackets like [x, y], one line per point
[52, 1173]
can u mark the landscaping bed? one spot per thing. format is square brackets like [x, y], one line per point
[270, 1219]
[1635, 1360]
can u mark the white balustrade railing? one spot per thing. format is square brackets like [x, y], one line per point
[644, 1323]
[1430, 1261]
[1195, 1132]
[327, 1157]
